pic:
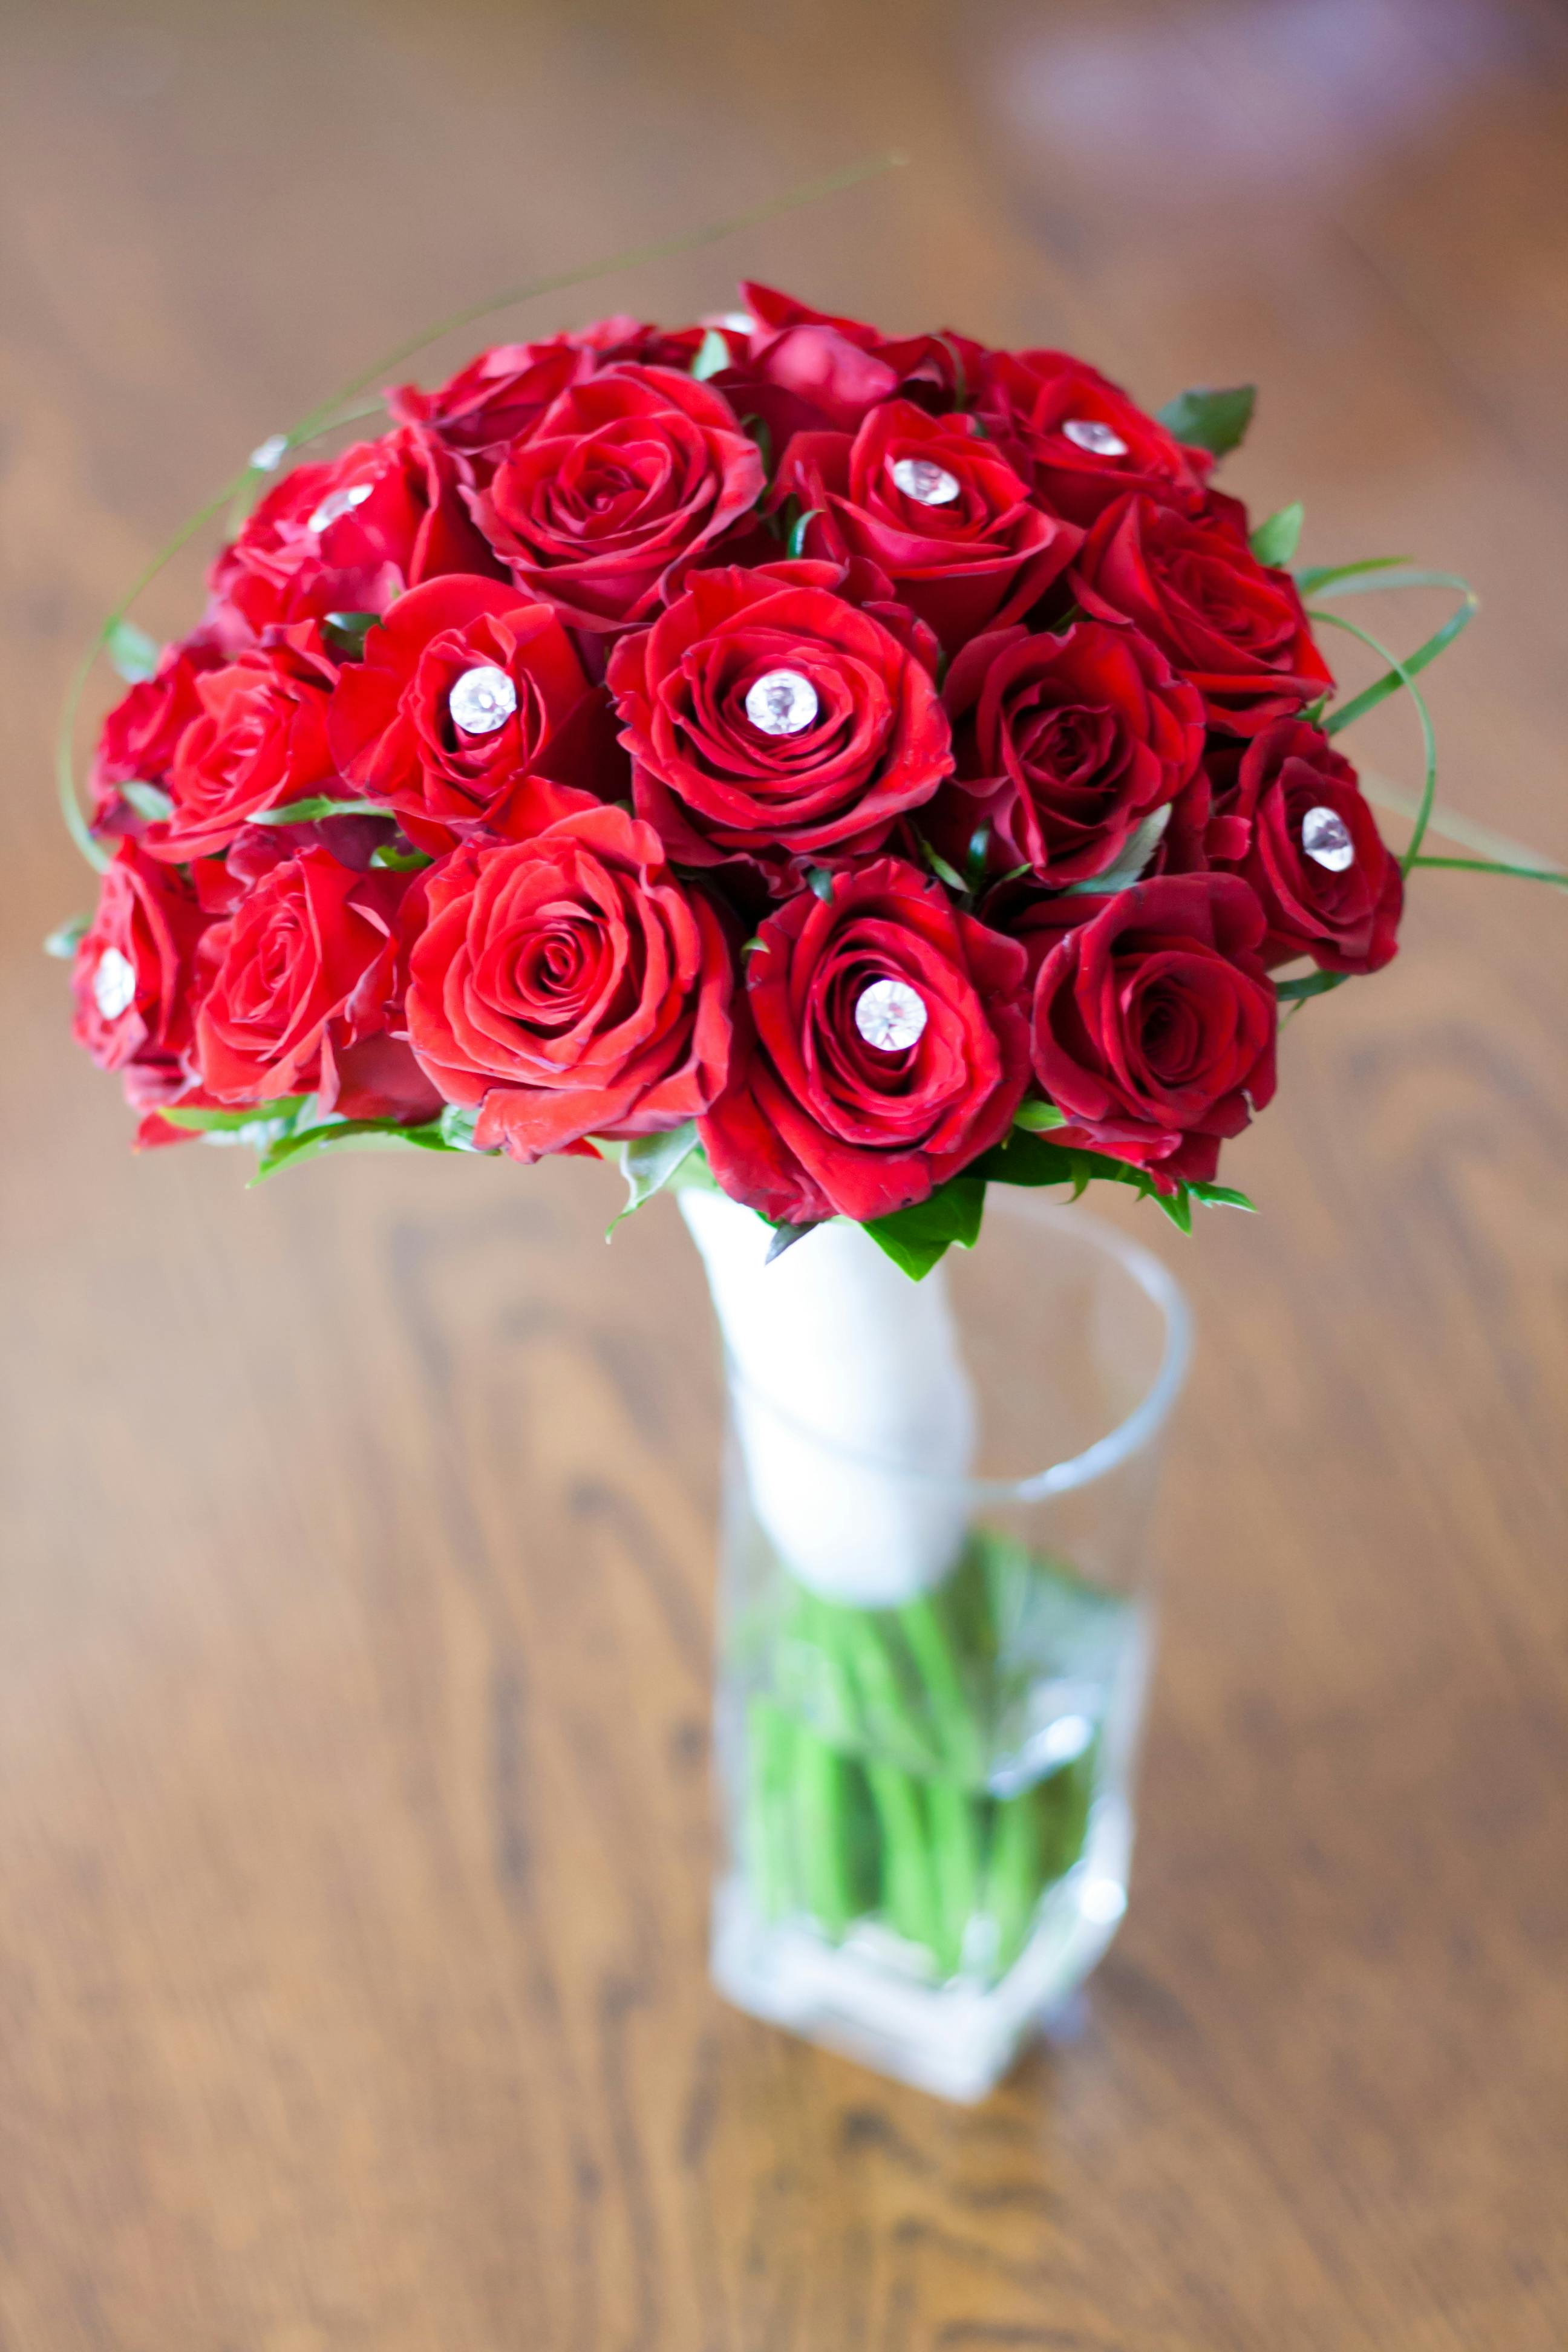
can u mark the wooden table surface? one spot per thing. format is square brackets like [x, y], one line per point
[355, 1616]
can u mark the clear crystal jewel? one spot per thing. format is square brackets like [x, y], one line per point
[922, 479]
[114, 984]
[1099, 440]
[1326, 837]
[338, 503]
[782, 702]
[483, 699]
[269, 455]
[890, 1015]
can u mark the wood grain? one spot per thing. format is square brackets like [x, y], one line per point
[354, 1618]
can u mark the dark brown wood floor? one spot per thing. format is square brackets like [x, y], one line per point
[354, 1827]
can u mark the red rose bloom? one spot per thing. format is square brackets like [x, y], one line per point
[401, 729]
[139, 736]
[625, 480]
[260, 740]
[1067, 743]
[936, 514]
[132, 971]
[1154, 1022]
[1295, 795]
[769, 720]
[1081, 439]
[303, 970]
[499, 398]
[570, 986]
[349, 536]
[803, 369]
[889, 1048]
[1222, 619]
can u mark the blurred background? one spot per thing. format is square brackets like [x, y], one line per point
[356, 1532]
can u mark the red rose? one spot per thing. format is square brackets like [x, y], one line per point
[889, 1048]
[1154, 1022]
[1329, 886]
[937, 515]
[260, 740]
[768, 719]
[625, 480]
[349, 535]
[1083, 442]
[1067, 743]
[1220, 617]
[570, 986]
[303, 970]
[132, 971]
[139, 736]
[806, 369]
[400, 728]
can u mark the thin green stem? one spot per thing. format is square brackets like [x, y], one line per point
[1491, 866]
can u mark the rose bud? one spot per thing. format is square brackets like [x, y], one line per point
[466, 688]
[260, 740]
[625, 480]
[889, 1048]
[935, 511]
[1232, 625]
[769, 720]
[569, 986]
[1066, 744]
[131, 976]
[1327, 885]
[349, 535]
[1153, 1020]
[303, 969]
[1079, 439]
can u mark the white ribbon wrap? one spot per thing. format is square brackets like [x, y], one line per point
[832, 1343]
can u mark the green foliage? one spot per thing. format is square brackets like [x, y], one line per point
[284, 1110]
[132, 651]
[797, 541]
[1211, 419]
[648, 1162]
[917, 1237]
[66, 938]
[1138, 849]
[711, 357]
[348, 1135]
[1036, 1116]
[149, 801]
[397, 857]
[346, 632]
[1312, 984]
[1275, 540]
[311, 811]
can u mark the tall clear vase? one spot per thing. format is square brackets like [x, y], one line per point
[935, 1624]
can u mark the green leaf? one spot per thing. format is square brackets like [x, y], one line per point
[711, 356]
[311, 812]
[939, 865]
[350, 630]
[347, 1135]
[1034, 1117]
[821, 881]
[226, 1122]
[649, 1162]
[1222, 1196]
[1136, 851]
[1275, 540]
[133, 653]
[917, 1237]
[795, 545]
[1372, 579]
[66, 938]
[399, 859]
[978, 852]
[456, 1123]
[150, 800]
[1211, 419]
[1176, 1205]
[785, 1237]
[1312, 984]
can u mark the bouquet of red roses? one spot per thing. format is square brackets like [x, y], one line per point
[840, 767]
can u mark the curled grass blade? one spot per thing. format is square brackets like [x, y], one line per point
[1399, 674]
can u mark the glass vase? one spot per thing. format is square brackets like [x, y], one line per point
[934, 1625]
